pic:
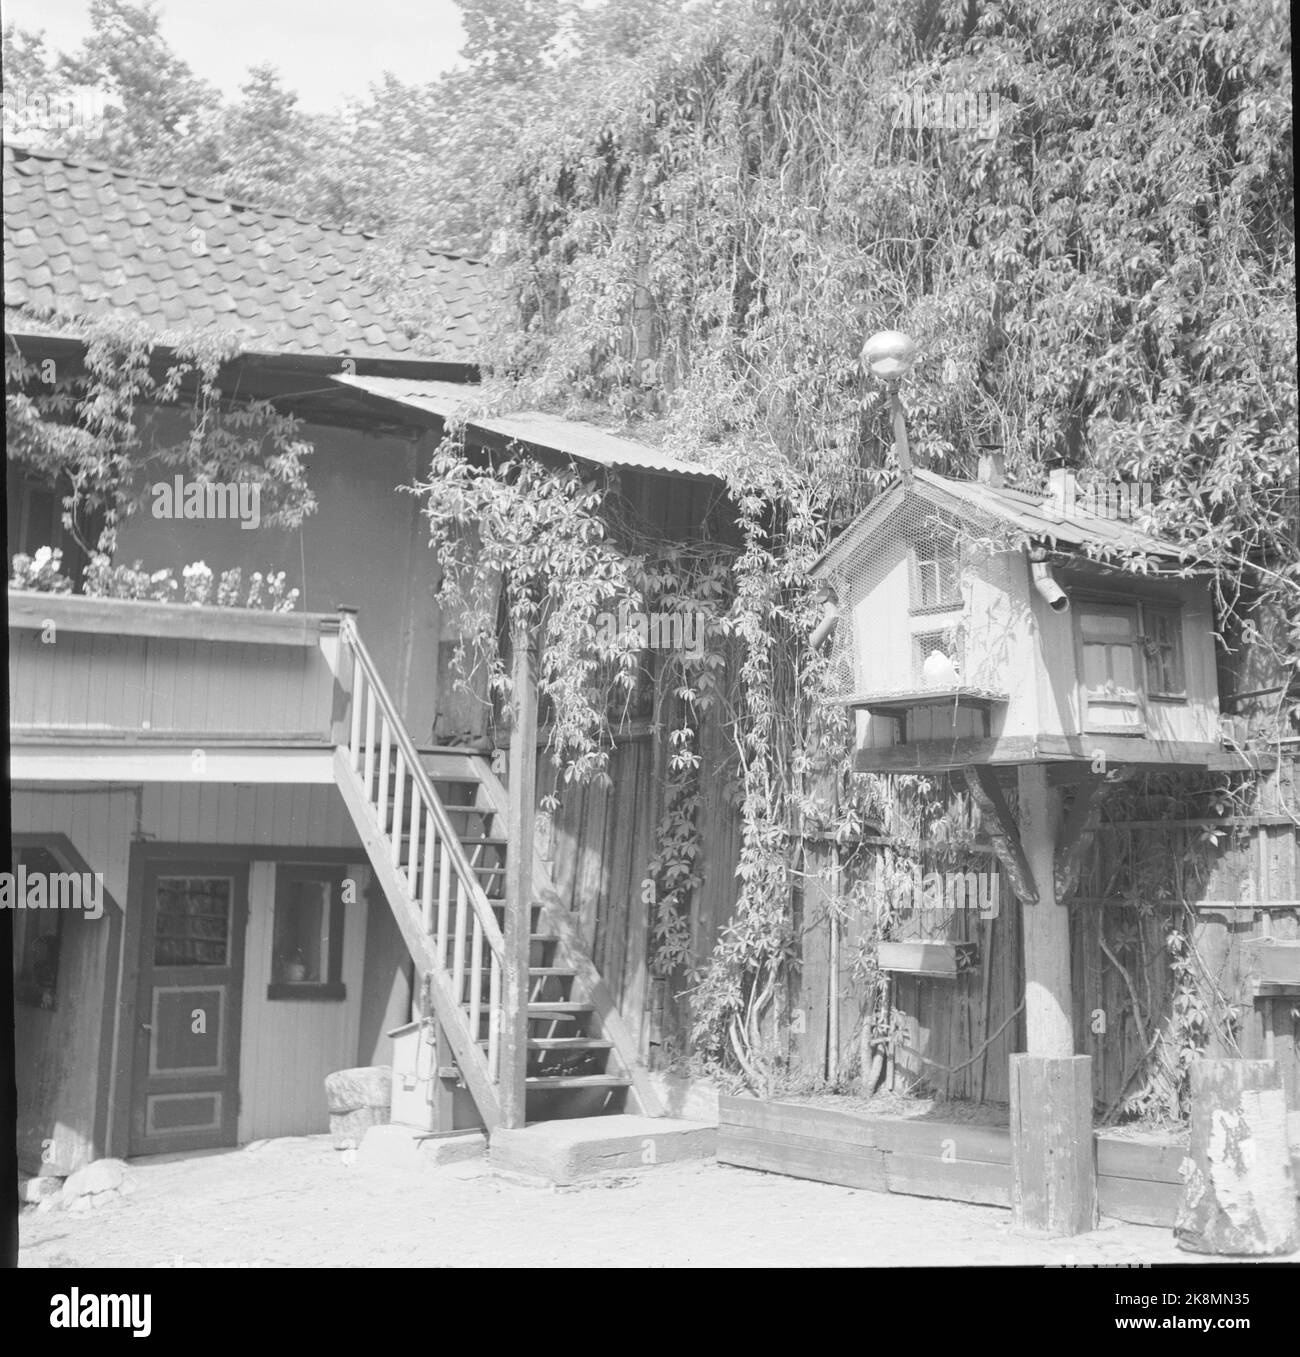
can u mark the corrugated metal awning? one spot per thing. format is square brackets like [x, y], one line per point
[550, 433]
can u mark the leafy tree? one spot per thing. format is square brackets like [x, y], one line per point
[158, 118]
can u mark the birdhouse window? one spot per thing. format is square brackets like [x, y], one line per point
[935, 574]
[1162, 640]
[931, 672]
[1108, 638]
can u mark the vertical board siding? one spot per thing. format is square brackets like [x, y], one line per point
[92, 682]
[289, 1046]
[602, 839]
[946, 1020]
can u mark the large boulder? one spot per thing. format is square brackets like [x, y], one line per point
[358, 1099]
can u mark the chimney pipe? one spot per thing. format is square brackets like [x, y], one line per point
[1062, 490]
[992, 469]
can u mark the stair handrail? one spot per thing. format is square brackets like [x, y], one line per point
[452, 846]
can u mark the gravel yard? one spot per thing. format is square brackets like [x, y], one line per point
[298, 1203]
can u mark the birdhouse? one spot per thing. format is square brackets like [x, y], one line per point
[980, 624]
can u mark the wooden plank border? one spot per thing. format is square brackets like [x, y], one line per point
[1137, 1181]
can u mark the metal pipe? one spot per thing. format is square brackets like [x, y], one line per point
[1041, 574]
[826, 627]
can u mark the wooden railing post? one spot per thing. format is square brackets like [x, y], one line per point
[519, 881]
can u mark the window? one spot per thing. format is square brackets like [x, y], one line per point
[307, 934]
[38, 936]
[1128, 653]
[936, 574]
[1162, 640]
[192, 922]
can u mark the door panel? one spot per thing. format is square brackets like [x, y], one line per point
[186, 1085]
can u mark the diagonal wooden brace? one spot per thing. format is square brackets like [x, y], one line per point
[1080, 818]
[1002, 829]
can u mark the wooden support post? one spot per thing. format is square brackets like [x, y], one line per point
[1054, 1177]
[1238, 1189]
[519, 882]
[1049, 1020]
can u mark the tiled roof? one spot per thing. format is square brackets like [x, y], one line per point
[88, 240]
[572, 437]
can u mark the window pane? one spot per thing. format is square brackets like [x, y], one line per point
[1121, 667]
[1164, 652]
[937, 577]
[1094, 666]
[300, 936]
[192, 925]
[1105, 626]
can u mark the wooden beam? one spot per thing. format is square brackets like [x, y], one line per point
[938, 756]
[1002, 829]
[1119, 750]
[522, 794]
[1054, 1180]
[120, 762]
[1045, 932]
[175, 621]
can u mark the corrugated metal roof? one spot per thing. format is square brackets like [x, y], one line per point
[571, 437]
[1033, 514]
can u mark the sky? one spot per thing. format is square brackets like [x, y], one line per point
[327, 50]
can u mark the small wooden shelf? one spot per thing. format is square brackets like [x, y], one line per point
[940, 959]
[899, 702]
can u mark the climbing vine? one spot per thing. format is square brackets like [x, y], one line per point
[99, 428]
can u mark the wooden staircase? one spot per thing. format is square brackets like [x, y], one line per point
[433, 826]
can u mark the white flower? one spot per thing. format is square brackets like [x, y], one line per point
[42, 558]
[197, 571]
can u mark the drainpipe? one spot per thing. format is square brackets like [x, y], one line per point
[826, 627]
[1041, 574]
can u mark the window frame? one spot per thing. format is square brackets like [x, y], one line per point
[1138, 610]
[1173, 612]
[917, 566]
[332, 988]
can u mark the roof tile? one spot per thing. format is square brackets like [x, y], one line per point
[85, 240]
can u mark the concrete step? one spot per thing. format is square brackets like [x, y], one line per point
[577, 1148]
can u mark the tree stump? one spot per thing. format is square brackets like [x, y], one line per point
[1238, 1190]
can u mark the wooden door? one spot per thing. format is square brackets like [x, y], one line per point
[185, 1093]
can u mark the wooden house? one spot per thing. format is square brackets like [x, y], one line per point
[302, 843]
[980, 625]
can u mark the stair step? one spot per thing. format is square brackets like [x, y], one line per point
[577, 1081]
[552, 970]
[563, 1008]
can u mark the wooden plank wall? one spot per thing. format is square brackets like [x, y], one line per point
[279, 1097]
[92, 682]
[947, 1020]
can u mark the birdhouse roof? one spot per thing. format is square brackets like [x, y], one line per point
[1034, 514]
